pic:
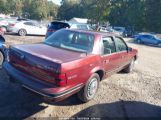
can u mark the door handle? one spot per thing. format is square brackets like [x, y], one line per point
[106, 61]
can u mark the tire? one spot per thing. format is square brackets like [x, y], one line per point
[138, 41]
[22, 32]
[130, 67]
[1, 59]
[89, 91]
[4, 29]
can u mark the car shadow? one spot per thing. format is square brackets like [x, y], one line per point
[72, 100]
[121, 110]
[15, 102]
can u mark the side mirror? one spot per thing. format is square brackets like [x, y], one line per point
[129, 49]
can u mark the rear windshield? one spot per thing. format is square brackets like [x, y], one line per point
[71, 40]
[58, 25]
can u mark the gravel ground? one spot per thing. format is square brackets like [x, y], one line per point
[126, 96]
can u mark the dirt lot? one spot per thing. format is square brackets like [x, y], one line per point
[134, 95]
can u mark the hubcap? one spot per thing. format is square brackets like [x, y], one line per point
[138, 41]
[92, 88]
[22, 32]
[1, 59]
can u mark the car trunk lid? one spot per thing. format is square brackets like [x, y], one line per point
[41, 61]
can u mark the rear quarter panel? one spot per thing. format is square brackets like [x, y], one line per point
[79, 71]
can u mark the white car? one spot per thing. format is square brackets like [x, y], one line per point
[27, 27]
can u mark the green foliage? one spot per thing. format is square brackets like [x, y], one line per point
[127, 13]
[140, 14]
[34, 9]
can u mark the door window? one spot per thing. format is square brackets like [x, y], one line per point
[120, 44]
[108, 45]
[29, 23]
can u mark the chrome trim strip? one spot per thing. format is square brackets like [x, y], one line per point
[57, 95]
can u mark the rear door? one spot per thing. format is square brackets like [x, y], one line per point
[110, 58]
[30, 28]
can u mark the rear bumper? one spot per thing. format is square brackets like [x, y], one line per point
[40, 87]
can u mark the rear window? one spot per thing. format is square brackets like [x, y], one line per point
[58, 25]
[71, 40]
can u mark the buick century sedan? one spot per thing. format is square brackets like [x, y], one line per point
[69, 62]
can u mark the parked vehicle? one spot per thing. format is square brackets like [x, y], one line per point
[147, 39]
[120, 30]
[102, 29]
[3, 24]
[69, 62]
[57, 25]
[2, 31]
[2, 40]
[24, 28]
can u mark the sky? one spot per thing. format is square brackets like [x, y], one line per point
[56, 1]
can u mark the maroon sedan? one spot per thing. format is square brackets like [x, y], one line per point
[69, 62]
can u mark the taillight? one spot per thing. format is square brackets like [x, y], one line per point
[50, 30]
[12, 25]
[61, 80]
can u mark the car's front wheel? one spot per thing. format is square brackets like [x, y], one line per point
[139, 41]
[1, 59]
[22, 32]
[88, 92]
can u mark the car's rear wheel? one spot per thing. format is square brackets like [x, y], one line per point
[88, 92]
[1, 59]
[130, 67]
[22, 32]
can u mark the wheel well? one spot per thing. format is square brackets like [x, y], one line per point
[22, 29]
[135, 57]
[2, 54]
[100, 73]
[3, 26]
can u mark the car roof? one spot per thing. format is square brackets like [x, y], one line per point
[97, 33]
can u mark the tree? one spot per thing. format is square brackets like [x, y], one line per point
[39, 9]
[18, 7]
[53, 9]
[153, 15]
[128, 13]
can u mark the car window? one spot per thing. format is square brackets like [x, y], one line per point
[108, 45]
[29, 23]
[120, 44]
[57, 25]
[71, 40]
[148, 36]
